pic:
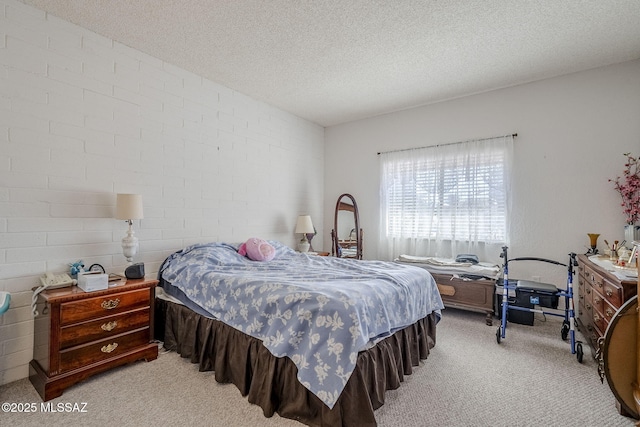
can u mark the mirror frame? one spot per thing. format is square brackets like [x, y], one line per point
[353, 207]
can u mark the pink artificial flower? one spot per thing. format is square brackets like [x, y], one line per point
[628, 186]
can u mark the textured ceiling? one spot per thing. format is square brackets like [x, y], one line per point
[333, 61]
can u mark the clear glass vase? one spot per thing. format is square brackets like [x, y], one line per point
[631, 233]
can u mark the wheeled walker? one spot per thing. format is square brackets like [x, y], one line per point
[537, 293]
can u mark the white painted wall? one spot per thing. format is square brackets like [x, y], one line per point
[572, 133]
[83, 118]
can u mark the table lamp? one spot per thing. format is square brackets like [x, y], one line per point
[304, 226]
[128, 208]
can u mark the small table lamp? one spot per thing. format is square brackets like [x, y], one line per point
[304, 226]
[128, 208]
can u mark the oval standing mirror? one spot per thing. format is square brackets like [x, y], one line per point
[346, 235]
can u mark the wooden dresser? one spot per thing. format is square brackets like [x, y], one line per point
[471, 295]
[79, 334]
[600, 295]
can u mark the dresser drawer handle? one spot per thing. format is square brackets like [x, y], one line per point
[596, 318]
[609, 292]
[109, 326]
[111, 304]
[589, 328]
[596, 300]
[588, 306]
[609, 312]
[588, 290]
[109, 348]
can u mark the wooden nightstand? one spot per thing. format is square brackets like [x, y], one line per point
[79, 334]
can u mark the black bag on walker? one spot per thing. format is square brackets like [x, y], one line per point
[528, 295]
[542, 294]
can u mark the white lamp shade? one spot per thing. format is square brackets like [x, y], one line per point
[304, 225]
[129, 206]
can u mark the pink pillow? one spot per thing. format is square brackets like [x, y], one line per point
[257, 250]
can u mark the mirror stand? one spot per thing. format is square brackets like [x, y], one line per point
[346, 236]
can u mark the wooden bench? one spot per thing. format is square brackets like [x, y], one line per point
[464, 294]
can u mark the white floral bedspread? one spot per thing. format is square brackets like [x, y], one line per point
[318, 311]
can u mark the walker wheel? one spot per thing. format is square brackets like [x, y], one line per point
[564, 332]
[498, 335]
[579, 353]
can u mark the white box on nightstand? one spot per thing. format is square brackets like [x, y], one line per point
[93, 281]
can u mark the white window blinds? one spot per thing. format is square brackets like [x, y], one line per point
[452, 193]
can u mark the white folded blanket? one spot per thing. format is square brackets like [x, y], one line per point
[451, 266]
[434, 261]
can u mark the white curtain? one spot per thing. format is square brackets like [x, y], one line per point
[446, 200]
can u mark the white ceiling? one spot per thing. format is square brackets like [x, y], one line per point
[334, 61]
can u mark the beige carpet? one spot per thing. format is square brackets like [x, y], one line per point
[530, 379]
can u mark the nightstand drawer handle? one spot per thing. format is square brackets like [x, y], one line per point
[609, 312]
[109, 348]
[609, 292]
[111, 304]
[109, 326]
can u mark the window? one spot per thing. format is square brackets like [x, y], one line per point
[454, 193]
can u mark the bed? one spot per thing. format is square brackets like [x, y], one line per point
[316, 339]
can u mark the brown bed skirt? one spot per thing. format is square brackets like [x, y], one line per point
[271, 382]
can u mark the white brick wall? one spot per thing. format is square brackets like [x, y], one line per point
[83, 117]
